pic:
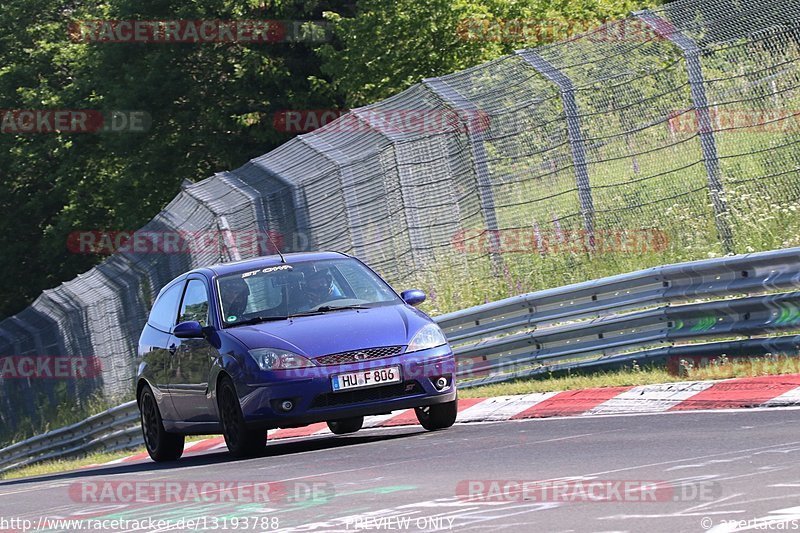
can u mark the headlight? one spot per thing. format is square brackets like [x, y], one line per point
[429, 336]
[272, 359]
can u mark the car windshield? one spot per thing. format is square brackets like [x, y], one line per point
[283, 291]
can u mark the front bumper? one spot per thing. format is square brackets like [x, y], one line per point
[311, 392]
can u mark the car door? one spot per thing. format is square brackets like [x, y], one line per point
[156, 345]
[192, 358]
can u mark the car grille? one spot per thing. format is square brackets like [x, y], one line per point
[357, 356]
[332, 399]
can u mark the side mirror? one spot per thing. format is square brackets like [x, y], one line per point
[413, 296]
[188, 330]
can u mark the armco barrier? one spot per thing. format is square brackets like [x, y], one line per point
[674, 128]
[712, 307]
[116, 428]
[630, 314]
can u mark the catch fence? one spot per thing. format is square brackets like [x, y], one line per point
[600, 154]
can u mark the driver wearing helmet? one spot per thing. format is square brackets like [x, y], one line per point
[319, 288]
[234, 293]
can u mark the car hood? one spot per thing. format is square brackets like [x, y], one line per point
[336, 331]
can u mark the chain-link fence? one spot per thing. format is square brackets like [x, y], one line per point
[610, 151]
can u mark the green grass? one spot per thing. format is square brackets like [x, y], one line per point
[53, 416]
[651, 178]
[65, 465]
[722, 368]
[759, 222]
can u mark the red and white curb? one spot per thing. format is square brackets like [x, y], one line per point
[765, 391]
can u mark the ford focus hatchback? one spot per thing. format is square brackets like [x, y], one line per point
[277, 342]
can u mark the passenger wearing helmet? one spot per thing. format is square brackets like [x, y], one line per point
[234, 293]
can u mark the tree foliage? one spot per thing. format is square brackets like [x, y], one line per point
[211, 104]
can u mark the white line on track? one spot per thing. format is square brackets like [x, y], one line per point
[519, 421]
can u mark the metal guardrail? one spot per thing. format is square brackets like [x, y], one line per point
[114, 429]
[606, 323]
[641, 316]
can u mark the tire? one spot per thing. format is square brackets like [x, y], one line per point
[346, 425]
[438, 416]
[241, 441]
[161, 446]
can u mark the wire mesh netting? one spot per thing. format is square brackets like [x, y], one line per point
[668, 136]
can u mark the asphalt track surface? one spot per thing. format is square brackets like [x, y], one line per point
[730, 470]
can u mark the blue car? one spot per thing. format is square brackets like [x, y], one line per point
[282, 342]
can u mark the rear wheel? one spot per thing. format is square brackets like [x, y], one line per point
[346, 425]
[439, 416]
[161, 446]
[241, 441]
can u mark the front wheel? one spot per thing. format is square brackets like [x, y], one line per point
[161, 446]
[241, 441]
[438, 416]
[346, 425]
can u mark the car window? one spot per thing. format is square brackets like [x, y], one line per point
[364, 284]
[282, 290]
[166, 308]
[264, 294]
[195, 303]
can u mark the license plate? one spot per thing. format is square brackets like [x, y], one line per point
[366, 378]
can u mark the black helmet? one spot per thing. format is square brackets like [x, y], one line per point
[319, 283]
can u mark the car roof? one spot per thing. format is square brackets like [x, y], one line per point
[222, 269]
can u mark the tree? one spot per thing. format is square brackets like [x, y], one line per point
[388, 46]
[211, 104]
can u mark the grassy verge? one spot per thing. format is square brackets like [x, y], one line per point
[65, 465]
[53, 412]
[462, 274]
[721, 369]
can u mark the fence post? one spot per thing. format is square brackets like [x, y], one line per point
[37, 341]
[228, 239]
[453, 99]
[325, 149]
[694, 71]
[415, 238]
[227, 245]
[261, 222]
[8, 340]
[32, 331]
[574, 133]
[10, 412]
[299, 205]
